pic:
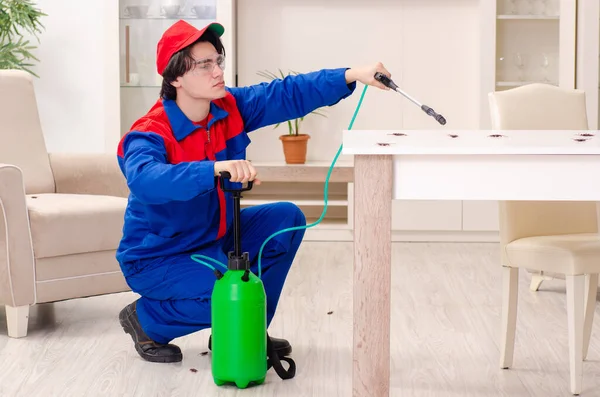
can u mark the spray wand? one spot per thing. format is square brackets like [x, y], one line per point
[386, 81]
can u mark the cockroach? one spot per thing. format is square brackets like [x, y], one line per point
[496, 136]
[586, 134]
[383, 144]
[579, 139]
[453, 136]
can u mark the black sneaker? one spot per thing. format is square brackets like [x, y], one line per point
[281, 346]
[146, 347]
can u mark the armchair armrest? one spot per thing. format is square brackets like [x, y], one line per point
[88, 173]
[17, 284]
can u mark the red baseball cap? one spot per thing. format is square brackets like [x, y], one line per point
[178, 36]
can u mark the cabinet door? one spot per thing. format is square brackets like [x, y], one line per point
[524, 42]
[420, 215]
[140, 27]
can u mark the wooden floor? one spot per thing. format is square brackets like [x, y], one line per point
[445, 327]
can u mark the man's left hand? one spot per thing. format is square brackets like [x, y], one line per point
[366, 75]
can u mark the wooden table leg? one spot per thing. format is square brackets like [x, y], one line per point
[372, 274]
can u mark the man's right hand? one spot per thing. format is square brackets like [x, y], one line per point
[240, 170]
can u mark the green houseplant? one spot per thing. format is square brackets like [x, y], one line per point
[294, 142]
[18, 17]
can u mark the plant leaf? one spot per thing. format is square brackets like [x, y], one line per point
[18, 17]
[268, 75]
[318, 113]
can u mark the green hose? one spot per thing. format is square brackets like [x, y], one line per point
[198, 258]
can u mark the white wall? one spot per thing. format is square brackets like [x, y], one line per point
[78, 88]
[429, 46]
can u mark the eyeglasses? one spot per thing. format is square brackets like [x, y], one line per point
[207, 65]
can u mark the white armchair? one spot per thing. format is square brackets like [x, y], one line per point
[555, 237]
[61, 215]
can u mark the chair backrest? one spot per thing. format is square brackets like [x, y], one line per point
[21, 138]
[541, 107]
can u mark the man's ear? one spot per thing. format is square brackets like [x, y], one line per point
[176, 83]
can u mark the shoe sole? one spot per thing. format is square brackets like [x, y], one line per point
[128, 328]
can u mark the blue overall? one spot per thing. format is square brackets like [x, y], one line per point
[176, 208]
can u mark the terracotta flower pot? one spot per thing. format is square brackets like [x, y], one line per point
[294, 148]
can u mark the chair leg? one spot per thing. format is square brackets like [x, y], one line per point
[537, 279]
[590, 307]
[536, 282]
[575, 306]
[17, 319]
[510, 293]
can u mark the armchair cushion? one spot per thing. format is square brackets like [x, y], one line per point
[88, 173]
[570, 254]
[64, 224]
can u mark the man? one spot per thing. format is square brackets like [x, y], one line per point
[172, 158]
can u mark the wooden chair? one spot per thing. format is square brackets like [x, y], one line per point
[555, 237]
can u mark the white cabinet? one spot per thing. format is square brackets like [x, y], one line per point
[524, 41]
[141, 24]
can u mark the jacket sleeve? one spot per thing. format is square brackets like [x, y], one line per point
[289, 98]
[153, 180]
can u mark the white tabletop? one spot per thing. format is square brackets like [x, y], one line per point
[444, 141]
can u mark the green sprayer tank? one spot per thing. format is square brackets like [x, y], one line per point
[239, 316]
[239, 329]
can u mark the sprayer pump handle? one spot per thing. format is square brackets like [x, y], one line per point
[227, 175]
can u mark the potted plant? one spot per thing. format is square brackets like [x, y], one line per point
[294, 143]
[18, 17]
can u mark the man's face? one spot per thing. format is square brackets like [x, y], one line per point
[205, 79]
